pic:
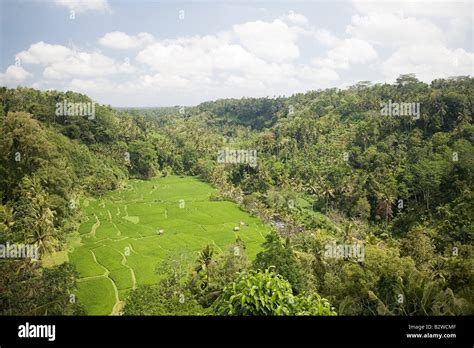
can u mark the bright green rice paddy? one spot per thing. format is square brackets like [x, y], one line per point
[121, 245]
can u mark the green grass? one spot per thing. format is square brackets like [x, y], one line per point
[97, 295]
[126, 237]
[122, 278]
[83, 258]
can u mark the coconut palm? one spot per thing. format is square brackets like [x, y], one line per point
[205, 261]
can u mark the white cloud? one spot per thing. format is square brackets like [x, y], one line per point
[234, 57]
[43, 53]
[428, 61]
[352, 51]
[14, 75]
[91, 85]
[121, 40]
[325, 37]
[180, 59]
[85, 64]
[344, 52]
[417, 45]
[393, 30]
[81, 6]
[61, 62]
[295, 18]
[201, 57]
[257, 58]
[253, 58]
[275, 41]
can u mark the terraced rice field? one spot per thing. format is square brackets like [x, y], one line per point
[121, 243]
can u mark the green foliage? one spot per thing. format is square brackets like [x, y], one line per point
[213, 273]
[361, 208]
[417, 295]
[34, 217]
[263, 293]
[158, 300]
[281, 257]
[143, 158]
[403, 186]
[168, 297]
[27, 289]
[255, 112]
[419, 246]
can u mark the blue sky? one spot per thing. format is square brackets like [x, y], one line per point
[157, 53]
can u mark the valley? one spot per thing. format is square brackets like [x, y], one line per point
[128, 233]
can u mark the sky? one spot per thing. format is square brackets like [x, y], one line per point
[162, 53]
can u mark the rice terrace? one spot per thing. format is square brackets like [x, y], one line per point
[129, 232]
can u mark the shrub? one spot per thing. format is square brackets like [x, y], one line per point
[268, 293]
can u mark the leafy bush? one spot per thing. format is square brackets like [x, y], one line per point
[281, 257]
[156, 300]
[267, 293]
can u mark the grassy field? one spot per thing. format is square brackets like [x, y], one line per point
[121, 243]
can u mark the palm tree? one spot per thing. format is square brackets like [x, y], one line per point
[43, 234]
[205, 261]
[384, 205]
[422, 296]
[328, 193]
[42, 231]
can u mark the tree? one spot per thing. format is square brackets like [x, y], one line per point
[281, 257]
[24, 149]
[265, 293]
[143, 159]
[34, 218]
[168, 297]
[428, 173]
[205, 263]
[418, 295]
[58, 292]
[418, 245]
[361, 208]
[212, 273]
[157, 300]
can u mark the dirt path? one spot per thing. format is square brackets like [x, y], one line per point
[132, 272]
[91, 277]
[94, 227]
